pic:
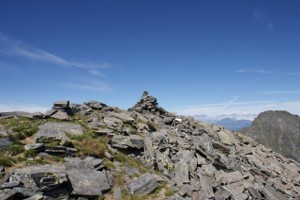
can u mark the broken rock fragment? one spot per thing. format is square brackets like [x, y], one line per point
[144, 184]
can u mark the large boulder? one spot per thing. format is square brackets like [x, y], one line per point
[82, 175]
[95, 105]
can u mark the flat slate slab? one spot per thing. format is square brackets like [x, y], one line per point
[144, 184]
[88, 183]
[58, 131]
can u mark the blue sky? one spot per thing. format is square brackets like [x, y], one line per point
[212, 58]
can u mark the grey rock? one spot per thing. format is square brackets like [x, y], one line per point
[185, 190]
[30, 176]
[60, 115]
[228, 178]
[50, 112]
[128, 142]
[149, 155]
[57, 131]
[5, 115]
[178, 197]
[206, 187]
[236, 190]
[80, 164]
[16, 193]
[158, 138]
[95, 105]
[82, 198]
[168, 120]
[103, 131]
[271, 193]
[137, 141]
[144, 184]
[222, 194]
[20, 114]
[113, 123]
[122, 116]
[10, 184]
[130, 171]
[208, 170]
[5, 143]
[117, 193]
[162, 159]
[79, 109]
[82, 175]
[224, 149]
[24, 114]
[38, 147]
[96, 162]
[3, 131]
[95, 181]
[60, 150]
[61, 104]
[254, 193]
[182, 172]
[38, 197]
[226, 137]
[204, 142]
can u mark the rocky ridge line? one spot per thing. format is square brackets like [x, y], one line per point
[195, 160]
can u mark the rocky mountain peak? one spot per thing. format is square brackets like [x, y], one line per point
[279, 130]
[141, 153]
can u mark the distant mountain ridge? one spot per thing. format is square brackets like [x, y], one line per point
[228, 123]
[279, 130]
[233, 124]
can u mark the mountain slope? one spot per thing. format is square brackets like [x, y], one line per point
[95, 151]
[279, 130]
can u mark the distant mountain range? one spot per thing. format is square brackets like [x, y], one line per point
[279, 130]
[228, 123]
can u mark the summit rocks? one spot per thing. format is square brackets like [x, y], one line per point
[150, 152]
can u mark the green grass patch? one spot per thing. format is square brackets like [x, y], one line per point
[16, 149]
[21, 127]
[31, 153]
[6, 161]
[132, 162]
[36, 162]
[91, 147]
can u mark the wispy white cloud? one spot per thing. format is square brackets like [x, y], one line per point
[15, 107]
[17, 48]
[239, 110]
[230, 102]
[262, 18]
[93, 85]
[96, 72]
[283, 92]
[259, 71]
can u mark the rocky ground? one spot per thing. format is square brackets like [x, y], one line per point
[94, 151]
